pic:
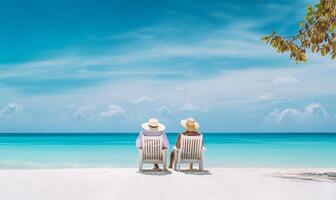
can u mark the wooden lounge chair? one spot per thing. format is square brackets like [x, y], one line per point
[191, 151]
[152, 151]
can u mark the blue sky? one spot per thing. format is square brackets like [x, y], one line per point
[107, 66]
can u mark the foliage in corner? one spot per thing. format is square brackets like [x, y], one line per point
[317, 33]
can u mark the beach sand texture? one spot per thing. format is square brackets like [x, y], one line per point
[127, 183]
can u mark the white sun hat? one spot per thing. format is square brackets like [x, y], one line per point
[153, 125]
[190, 124]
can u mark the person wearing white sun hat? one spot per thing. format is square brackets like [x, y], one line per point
[153, 128]
[191, 129]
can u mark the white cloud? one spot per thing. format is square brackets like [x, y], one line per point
[285, 81]
[85, 112]
[278, 116]
[293, 114]
[11, 109]
[164, 110]
[112, 110]
[316, 109]
[143, 99]
[190, 107]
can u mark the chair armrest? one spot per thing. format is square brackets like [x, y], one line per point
[175, 148]
[164, 153]
[203, 148]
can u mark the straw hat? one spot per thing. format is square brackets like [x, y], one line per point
[153, 125]
[190, 124]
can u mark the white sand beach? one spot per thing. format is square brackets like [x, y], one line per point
[127, 183]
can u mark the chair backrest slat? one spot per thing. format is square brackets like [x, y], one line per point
[152, 146]
[191, 147]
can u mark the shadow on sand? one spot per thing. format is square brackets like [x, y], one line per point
[155, 172]
[310, 176]
[196, 172]
[168, 172]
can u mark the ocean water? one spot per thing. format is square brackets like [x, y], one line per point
[118, 150]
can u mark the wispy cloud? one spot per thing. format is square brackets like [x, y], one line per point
[285, 81]
[142, 99]
[85, 112]
[156, 58]
[190, 107]
[11, 109]
[113, 110]
[164, 110]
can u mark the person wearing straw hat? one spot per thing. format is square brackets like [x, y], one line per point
[191, 129]
[153, 128]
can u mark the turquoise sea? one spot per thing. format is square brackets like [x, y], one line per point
[118, 150]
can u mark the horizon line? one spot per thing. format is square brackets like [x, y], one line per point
[111, 133]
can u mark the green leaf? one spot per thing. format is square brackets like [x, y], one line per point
[309, 9]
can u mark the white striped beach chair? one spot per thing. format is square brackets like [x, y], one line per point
[191, 151]
[152, 151]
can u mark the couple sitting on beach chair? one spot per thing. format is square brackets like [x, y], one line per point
[152, 143]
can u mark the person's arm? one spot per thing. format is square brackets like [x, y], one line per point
[165, 142]
[178, 141]
[138, 142]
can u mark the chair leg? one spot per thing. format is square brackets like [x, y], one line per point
[175, 160]
[179, 161]
[201, 166]
[164, 166]
[140, 161]
[140, 166]
[164, 162]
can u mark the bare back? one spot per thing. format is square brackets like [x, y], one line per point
[188, 133]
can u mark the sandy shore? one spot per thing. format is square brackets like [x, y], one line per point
[127, 183]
